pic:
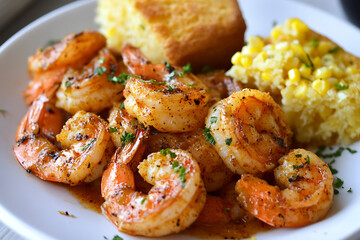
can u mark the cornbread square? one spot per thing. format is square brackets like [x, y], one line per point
[316, 81]
[202, 32]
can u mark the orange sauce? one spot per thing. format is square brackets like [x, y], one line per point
[89, 195]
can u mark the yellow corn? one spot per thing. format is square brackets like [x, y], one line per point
[246, 61]
[296, 24]
[275, 33]
[323, 73]
[236, 58]
[294, 75]
[111, 32]
[301, 89]
[323, 47]
[266, 75]
[351, 70]
[317, 62]
[255, 44]
[305, 71]
[320, 86]
[336, 70]
[298, 50]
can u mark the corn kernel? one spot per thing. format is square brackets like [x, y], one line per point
[323, 73]
[236, 58]
[320, 86]
[111, 32]
[255, 44]
[291, 63]
[266, 76]
[336, 70]
[282, 46]
[351, 70]
[323, 47]
[298, 50]
[301, 89]
[246, 61]
[275, 33]
[294, 75]
[305, 71]
[297, 25]
[317, 62]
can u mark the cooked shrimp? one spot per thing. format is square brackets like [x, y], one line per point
[172, 204]
[249, 131]
[163, 96]
[48, 66]
[213, 171]
[304, 196]
[89, 88]
[223, 208]
[84, 139]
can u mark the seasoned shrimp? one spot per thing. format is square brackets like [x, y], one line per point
[213, 171]
[163, 96]
[249, 131]
[48, 66]
[171, 205]
[304, 196]
[84, 139]
[89, 88]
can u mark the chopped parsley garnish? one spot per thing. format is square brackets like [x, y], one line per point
[170, 88]
[191, 85]
[321, 154]
[208, 137]
[351, 150]
[67, 84]
[187, 68]
[166, 151]
[305, 78]
[122, 78]
[307, 160]
[227, 209]
[153, 81]
[206, 69]
[3, 112]
[142, 26]
[333, 170]
[169, 68]
[334, 49]
[308, 65]
[89, 145]
[297, 167]
[338, 183]
[127, 137]
[293, 178]
[228, 141]
[181, 170]
[350, 190]
[298, 155]
[100, 70]
[143, 200]
[122, 106]
[314, 42]
[112, 129]
[336, 192]
[213, 119]
[117, 238]
[341, 87]
[173, 74]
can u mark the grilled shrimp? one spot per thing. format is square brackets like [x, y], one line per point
[89, 88]
[249, 131]
[163, 96]
[85, 143]
[303, 196]
[171, 205]
[48, 66]
[213, 171]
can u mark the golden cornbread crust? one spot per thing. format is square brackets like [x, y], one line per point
[200, 32]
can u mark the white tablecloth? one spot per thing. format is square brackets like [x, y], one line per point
[40, 7]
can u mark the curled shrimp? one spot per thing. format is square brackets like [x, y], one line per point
[48, 66]
[163, 96]
[171, 205]
[85, 143]
[213, 170]
[304, 196]
[249, 131]
[89, 87]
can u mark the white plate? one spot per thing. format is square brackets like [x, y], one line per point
[30, 206]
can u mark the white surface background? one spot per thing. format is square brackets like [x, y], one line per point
[41, 7]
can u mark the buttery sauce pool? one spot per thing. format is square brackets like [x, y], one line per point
[89, 195]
